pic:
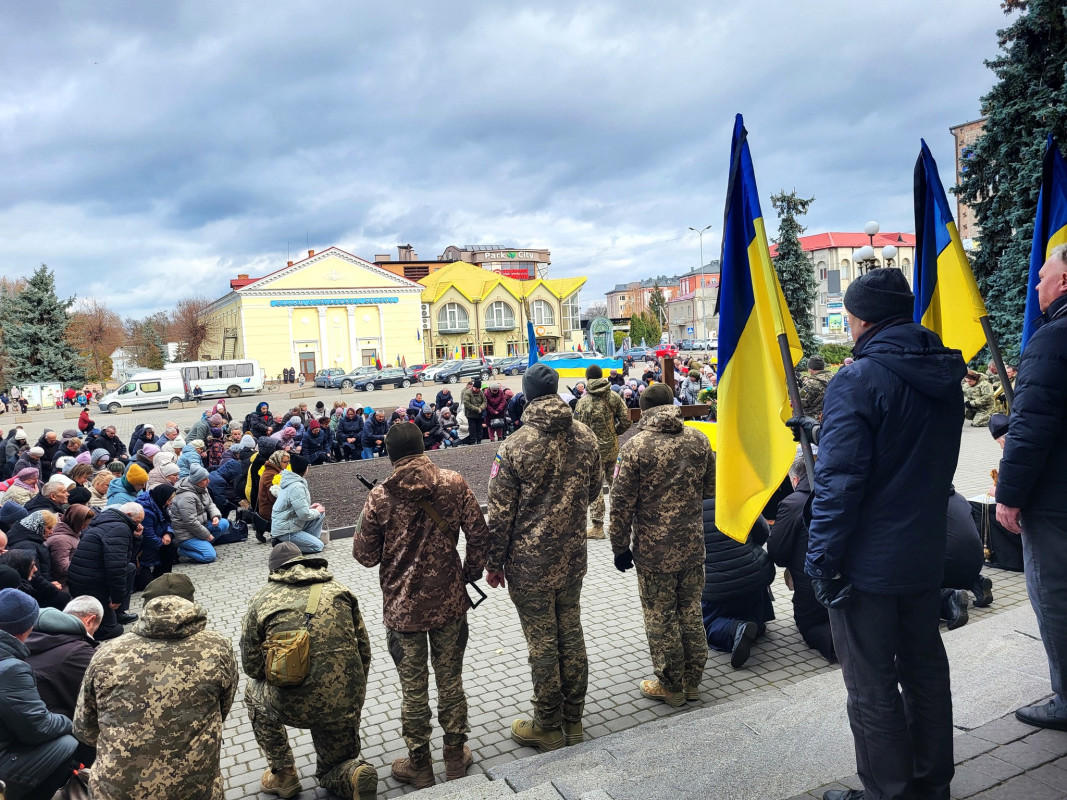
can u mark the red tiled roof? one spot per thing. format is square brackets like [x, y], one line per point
[240, 283]
[824, 241]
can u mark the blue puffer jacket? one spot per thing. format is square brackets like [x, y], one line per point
[373, 429]
[1033, 471]
[224, 480]
[156, 523]
[119, 491]
[292, 509]
[315, 445]
[888, 448]
[187, 459]
[350, 428]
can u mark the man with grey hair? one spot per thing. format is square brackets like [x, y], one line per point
[61, 647]
[52, 497]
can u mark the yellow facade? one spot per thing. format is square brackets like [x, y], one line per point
[332, 309]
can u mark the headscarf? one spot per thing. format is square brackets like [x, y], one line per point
[287, 433]
[161, 494]
[77, 517]
[34, 522]
[27, 474]
[350, 413]
[276, 459]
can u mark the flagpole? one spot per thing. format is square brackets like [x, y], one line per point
[798, 407]
[994, 350]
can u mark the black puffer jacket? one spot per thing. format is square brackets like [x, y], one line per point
[788, 547]
[21, 537]
[98, 566]
[1033, 470]
[732, 568]
[113, 444]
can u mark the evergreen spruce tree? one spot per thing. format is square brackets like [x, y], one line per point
[637, 330]
[657, 303]
[795, 271]
[1028, 102]
[653, 330]
[34, 321]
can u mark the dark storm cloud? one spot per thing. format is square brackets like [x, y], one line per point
[199, 139]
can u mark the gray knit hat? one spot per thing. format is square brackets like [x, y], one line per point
[539, 380]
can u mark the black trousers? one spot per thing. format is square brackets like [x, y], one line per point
[903, 735]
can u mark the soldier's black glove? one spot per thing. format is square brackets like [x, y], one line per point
[808, 424]
[832, 592]
[624, 560]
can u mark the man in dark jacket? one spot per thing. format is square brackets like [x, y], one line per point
[1033, 480]
[445, 400]
[108, 440]
[37, 751]
[736, 602]
[61, 647]
[374, 429]
[52, 497]
[260, 422]
[888, 449]
[102, 565]
[49, 442]
[429, 426]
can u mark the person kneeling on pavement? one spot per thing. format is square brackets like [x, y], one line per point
[295, 518]
[196, 521]
[964, 557]
[324, 692]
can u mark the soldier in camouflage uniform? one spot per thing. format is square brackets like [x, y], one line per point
[662, 476]
[608, 417]
[410, 525]
[330, 699]
[813, 387]
[153, 702]
[1000, 400]
[540, 487]
[977, 399]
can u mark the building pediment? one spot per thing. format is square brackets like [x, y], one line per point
[330, 271]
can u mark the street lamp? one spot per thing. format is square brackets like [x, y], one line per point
[703, 302]
[865, 257]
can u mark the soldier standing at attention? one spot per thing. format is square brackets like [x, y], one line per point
[410, 525]
[301, 594]
[540, 487]
[608, 417]
[813, 388]
[662, 476]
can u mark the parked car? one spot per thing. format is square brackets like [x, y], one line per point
[397, 377]
[430, 371]
[666, 349]
[455, 371]
[348, 380]
[637, 353]
[416, 370]
[323, 376]
[513, 365]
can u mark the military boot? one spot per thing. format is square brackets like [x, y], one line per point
[529, 733]
[573, 733]
[416, 769]
[596, 531]
[458, 758]
[283, 783]
[654, 690]
[365, 782]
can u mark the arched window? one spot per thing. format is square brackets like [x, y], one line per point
[905, 265]
[542, 313]
[846, 268]
[821, 267]
[499, 317]
[453, 319]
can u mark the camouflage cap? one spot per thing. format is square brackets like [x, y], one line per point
[171, 583]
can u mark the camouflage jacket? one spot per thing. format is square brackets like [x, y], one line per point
[153, 703]
[662, 476]
[606, 414]
[540, 487]
[421, 574]
[978, 397]
[336, 684]
[813, 390]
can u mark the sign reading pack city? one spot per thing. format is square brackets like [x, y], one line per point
[336, 301]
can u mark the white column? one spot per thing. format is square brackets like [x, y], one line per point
[324, 339]
[381, 334]
[353, 342]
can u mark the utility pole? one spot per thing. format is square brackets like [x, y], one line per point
[703, 301]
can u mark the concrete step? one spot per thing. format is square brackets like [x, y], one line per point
[472, 787]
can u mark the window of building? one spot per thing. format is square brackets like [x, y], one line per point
[571, 315]
[487, 348]
[369, 357]
[468, 350]
[499, 317]
[453, 318]
[821, 267]
[905, 264]
[845, 270]
[542, 313]
[822, 297]
[440, 352]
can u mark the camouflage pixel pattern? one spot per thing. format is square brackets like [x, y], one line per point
[543, 479]
[596, 508]
[674, 625]
[606, 415]
[978, 402]
[444, 647]
[421, 574]
[552, 624]
[153, 703]
[662, 476]
[813, 392]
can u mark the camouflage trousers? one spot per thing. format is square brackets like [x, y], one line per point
[596, 508]
[552, 623]
[979, 419]
[674, 626]
[444, 647]
[336, 743]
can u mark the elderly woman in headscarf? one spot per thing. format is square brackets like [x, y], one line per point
[29, 533]
[275, 466]
[266, 446]
[23, 487]
[220, 409]
[288, 438]
[65, 537]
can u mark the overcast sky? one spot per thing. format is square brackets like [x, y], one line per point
[155, 150]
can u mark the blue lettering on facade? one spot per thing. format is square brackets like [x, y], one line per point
[337, 301]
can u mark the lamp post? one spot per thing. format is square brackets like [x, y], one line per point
[865, 257]
[703, 304]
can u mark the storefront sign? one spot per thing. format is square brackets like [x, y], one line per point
[510, 254]
[337, 301]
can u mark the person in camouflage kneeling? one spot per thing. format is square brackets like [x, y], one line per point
[977, 399]
[329, 700]
[410, 526]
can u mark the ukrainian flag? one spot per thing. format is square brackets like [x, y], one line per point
[1050, 229]
[754, 448]
[947, 300]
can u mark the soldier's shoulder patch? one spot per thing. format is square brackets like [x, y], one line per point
[496, 466]
[618, 465]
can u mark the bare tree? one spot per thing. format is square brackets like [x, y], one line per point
[191, 328]
[597, 309]
[94, 332]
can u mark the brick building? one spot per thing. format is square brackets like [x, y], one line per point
[966, 135]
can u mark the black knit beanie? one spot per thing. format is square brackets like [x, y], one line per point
[161, 494]
[593, 371]
[404, 439]
[539, 380]
[658, 394]
[879, 295]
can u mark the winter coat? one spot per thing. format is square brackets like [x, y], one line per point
[473, 401]
[28, 534]
[85, 424]
[49, 454]
[114, 446]
[25, 461]
[187, 459]
[223, 481]
[606, 415]
[16, 494]
[350, 429]
[788, 547]
[61, 546]
[30, 734]
[156, 523]
[60, 652]
[430, 425]
[120, 491]
[496, 403]
[191, 510]
[421, 575]
[216, 446]
[257, 424]
[98, 566]
[139, 440]
[1033, 470]
[63, 452]
[733, 568]
[445, 401]
[264, 498]
[373, 429]
[688, 391]
[40, 502]
[315, 445]
[199, 430]
[293, 510]
[888, 448]
[416, 404]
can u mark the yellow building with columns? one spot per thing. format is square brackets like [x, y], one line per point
[330, 310]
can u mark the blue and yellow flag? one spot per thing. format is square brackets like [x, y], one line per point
[1050, 229]
[532, 342]
[947, 300]
[754, 448]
